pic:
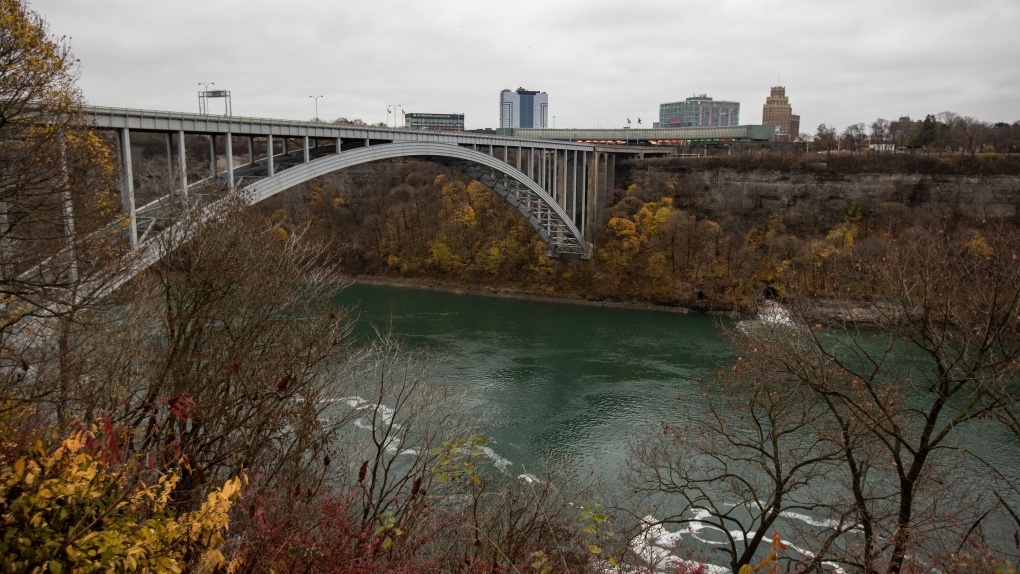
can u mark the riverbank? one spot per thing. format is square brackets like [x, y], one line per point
[430, 284]
[825, 311]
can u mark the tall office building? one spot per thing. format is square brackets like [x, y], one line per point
[523, 109]
[777, 112]
[699, 111]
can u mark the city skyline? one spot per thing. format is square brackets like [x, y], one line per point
[846, 64]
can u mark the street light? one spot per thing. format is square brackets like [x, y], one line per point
[202, 102]
[316, 106]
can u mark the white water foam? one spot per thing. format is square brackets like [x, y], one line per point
[497, 461]
[656, 545]
[770, 314]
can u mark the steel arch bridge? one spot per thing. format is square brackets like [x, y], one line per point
[560, 187]
[547, 217]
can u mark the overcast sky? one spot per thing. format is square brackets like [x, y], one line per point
[601, 61]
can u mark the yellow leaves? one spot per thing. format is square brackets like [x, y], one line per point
[442, 257]
[280, 235]
[622, 227]
[978, 247]
[315, 195]
[844, 234]
[464, 215]
[494, 260]
[455, 459]
[540, 563]
[776, 547]
[50, 498]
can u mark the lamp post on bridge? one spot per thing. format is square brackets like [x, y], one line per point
[316, 106]
[205, 90]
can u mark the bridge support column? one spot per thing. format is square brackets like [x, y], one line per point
[269, 155]
[182, 163]
[339, 145]
[127, 186]
[541, 168]
[584, 196]
[593, 197]
[555, 174]
[305, 148]
[230, 161]
[212, 156]
[573, 192]
[169, 160]
[251, 149]
[518, 158]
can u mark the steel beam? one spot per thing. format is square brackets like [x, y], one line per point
[230, 161]
[182, 163]
[269, 155]
[127, 186]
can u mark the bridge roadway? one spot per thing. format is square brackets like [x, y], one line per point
[560, 187]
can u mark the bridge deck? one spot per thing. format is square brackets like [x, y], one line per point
[162, 121]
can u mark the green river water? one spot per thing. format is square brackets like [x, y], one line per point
[563, 381]
[574, 384]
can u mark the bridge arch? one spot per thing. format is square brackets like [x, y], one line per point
[547, 218]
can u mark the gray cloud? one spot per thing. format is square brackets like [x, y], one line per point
[601, 61]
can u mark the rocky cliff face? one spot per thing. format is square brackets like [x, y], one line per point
[814, 195]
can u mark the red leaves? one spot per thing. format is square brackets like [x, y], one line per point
[237, 367]
[284, 381]
[112, 450]
[362, 471]
[181, 405]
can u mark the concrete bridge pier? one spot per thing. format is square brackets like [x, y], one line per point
[127, 185]
[601, 178]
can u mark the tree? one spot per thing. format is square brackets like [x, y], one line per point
[950, 306]
[879, 131]
[54, 177]
[970, 130]
[903, 132]
[59, 235]
[855, 134]
[929, 133]
[825, 138]
[877, 418]
[753, 453]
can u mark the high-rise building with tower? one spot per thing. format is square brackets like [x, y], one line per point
[777, 112]
[523, 109]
